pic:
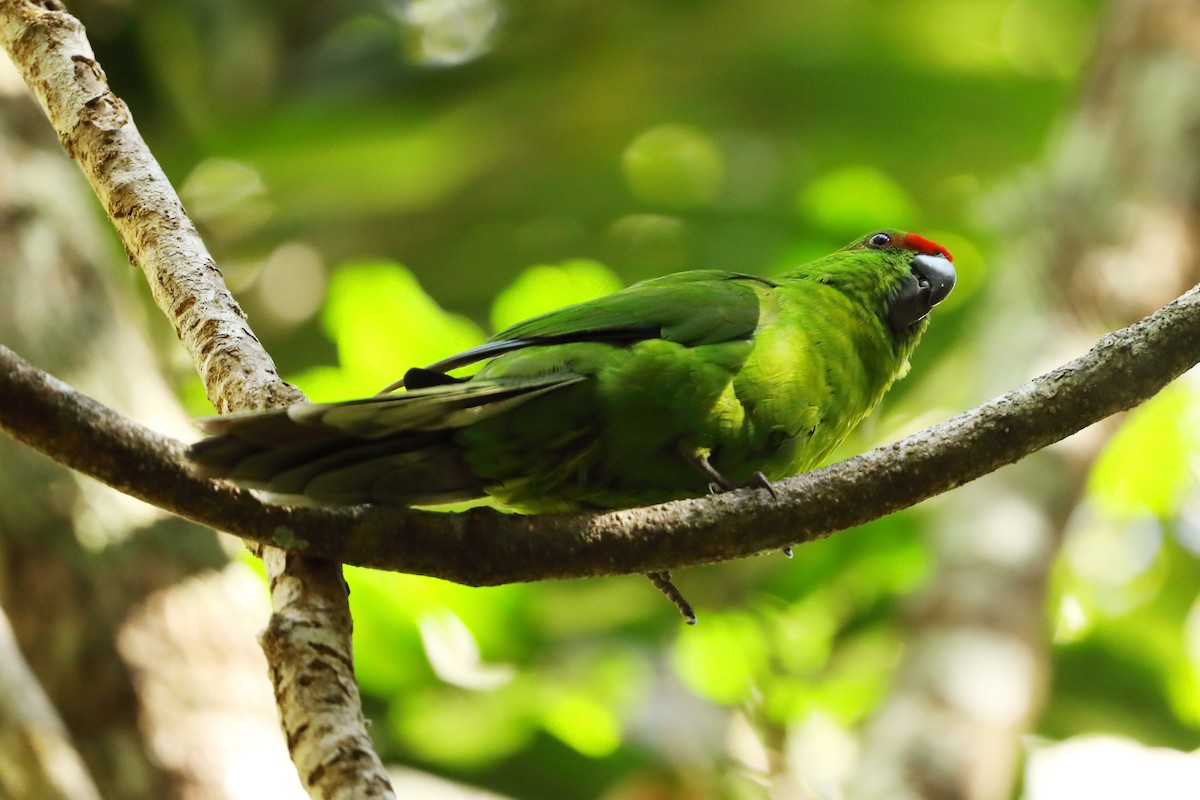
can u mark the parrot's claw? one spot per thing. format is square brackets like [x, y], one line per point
[719, 484]
[662, 582]
[759, 481]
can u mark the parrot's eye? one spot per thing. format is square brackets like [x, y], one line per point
[879, 240]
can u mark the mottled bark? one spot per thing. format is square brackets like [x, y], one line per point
[68, 569]
[52, 53]
[82, 568]
[313, 700]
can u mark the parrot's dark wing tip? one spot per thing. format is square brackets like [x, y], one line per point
[420, 378]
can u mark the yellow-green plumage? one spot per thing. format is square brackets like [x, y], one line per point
[614, 402]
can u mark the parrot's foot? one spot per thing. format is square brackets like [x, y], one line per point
[718, 483]
[759, 481]
[662, 582]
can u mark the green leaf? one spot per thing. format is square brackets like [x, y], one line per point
[582, 722]
[547, 287]
[855, 199]
[674, 167]
[466, 729]
[383, 323]
[722, 658]
[1146, 466]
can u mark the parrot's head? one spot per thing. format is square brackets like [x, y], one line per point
[909, 276]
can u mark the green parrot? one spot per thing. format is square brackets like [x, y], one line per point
[676, 386]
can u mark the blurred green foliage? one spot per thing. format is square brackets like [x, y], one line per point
[520, 156]
[1148, 466]
[367, 299]
[674, 167]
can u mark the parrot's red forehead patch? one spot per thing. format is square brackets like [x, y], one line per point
[913, 241]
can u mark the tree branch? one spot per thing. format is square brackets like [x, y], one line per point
[317, 694]
[485, 547]
[481, 546]
[51, 51]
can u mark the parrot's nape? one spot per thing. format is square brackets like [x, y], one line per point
[676, 386]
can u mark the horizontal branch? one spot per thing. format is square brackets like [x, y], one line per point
[484, 547]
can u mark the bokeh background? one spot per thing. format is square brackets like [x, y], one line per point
[384, 183]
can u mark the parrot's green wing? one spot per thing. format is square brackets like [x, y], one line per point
[688, 308]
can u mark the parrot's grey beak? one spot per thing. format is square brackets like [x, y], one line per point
[928, 283]
[935, 277]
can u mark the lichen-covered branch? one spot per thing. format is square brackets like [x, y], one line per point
[51, 51]
[311, 591]
[483, 547]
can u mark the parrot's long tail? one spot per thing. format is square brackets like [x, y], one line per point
[394, 449]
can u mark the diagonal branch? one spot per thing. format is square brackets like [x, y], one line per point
[483, 547]
[308, 640]
[52, 53]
